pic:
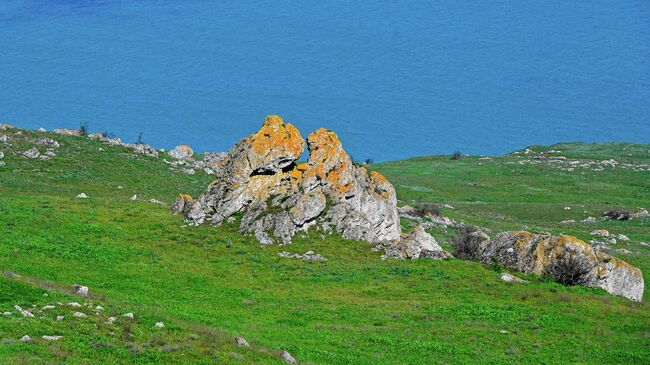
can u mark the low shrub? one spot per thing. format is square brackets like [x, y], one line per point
[617, 214]
[465, 243]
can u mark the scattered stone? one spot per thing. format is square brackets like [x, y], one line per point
[6, 313]
[74, 305]
[566, 259]
[154, 201]
[287, 358]
[241, 342]
[508, 278]
[623, 237]
[644, 243]
[25, 338]
[60, 318]
[189, 171]
[600, 232]
[111, 319]
[99, 308]
[68, 132]
[52, 338]
[567, 222]
[159, 325]
[4, 138]
[31, 153]
[2, 163]
[307, 256]
[79, 315]
[128, 315]
[24, 312]
[182, 152]
[82, 196]
[48, 142]
[42, 130]
[134, 197]
[142, 149]
[2, 154]
[589, 220]
[47, 307]
[80, 289]
[4, 127]
[624, 251]
[641, 213]
[567, 208]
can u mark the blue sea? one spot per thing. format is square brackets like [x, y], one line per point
[395, 79]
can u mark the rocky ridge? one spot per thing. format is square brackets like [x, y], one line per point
[277, 197]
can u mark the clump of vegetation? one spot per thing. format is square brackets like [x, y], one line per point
[466, 242]
[140, 140]
[456, 156]
[425, 209]
[616, 214]
[83, 128]
[369, 161]
[571, 269]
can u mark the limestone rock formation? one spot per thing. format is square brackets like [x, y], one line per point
[564, 258]
[261, 181]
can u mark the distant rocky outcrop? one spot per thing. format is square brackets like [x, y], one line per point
[182, 152]
[276, 197]
[564, 258]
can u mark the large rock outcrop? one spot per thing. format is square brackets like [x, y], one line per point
[566, 259]
[276, 197]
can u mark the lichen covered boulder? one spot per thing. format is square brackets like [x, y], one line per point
[566, 259]
[416, 244]
[276, 197]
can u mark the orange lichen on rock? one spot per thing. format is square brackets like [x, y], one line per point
[329, 162]
[186, 197]
[275, 134]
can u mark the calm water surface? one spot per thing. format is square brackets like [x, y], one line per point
[394, 79]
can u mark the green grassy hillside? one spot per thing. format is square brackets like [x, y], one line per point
[210, 284]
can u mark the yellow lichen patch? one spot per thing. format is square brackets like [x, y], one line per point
[275, 134]
[302, 167]
[185, 197]
[379, 178]
[296, 174]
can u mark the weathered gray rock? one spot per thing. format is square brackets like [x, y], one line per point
[68, 132]
[241, 342]
[414, 245]
[82, 196]
[51, 338]
[4, 127]
[79, 315]
[24, 312]
[25, 338]
[4, 138]
[31, 153]
[182, 152]
[80, 289]
[509, 278]
[49, 142]
[286, 357]
[564, 258]
[159, 325]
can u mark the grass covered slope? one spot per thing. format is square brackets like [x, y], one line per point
[210, 284]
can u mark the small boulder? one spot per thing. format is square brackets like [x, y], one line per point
[74, 305]
[134, 197]
[508, 278]
[414, 245]
[60, 318]
[52, 338]
[31, 153]
[79, 315]
[2, 154]
[68, 132]
[182, 204]
[25, 338]
[182, 152]
[241, 342]
[80, 289]
[128, 315]
[24, 312]
[47, 307]
[82, 196]
[159, 325]
[48, 142]
[286, 357]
